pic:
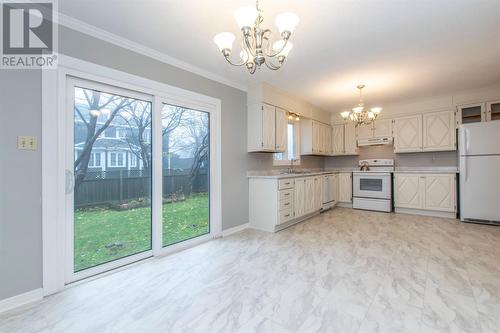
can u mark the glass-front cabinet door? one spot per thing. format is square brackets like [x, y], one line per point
[493, 110]
[472, 113]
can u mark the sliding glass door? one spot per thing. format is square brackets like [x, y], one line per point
[186, 173]
[138, 176]
[111, 162]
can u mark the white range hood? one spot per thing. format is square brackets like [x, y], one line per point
[375, 141]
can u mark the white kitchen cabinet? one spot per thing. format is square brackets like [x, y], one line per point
[281, 130]
[408, 191]
[350, 140]
[408, 134]
[310, 200]
[267, 126]
[313, 137]
[365, 131]
[300, 197]
[338, 140]
[426, 193]
[382, 128]
[345, 187]
[478, 112]
[493, 110]
[439, 131]
[318, 192]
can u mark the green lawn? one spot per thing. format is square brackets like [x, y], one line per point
[102, 235]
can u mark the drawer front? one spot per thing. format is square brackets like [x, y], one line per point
[285, 215]
[286, 203]
[286, 194]
[285, 183]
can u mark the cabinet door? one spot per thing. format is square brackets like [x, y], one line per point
[472, 113]
[382, 128]
[334, 188]
[268, 127]
[493, 110]
[350, 141]
[318, 193]
[345, 187]
[439, 131]
[328, 140]
[408, 134]
[299, 197]
[310, 199]
[338, 140]
[281, 130]
[315, 137]
[440, 192]
[365, 131]
[408, 191]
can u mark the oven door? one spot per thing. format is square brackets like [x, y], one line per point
[372, 185]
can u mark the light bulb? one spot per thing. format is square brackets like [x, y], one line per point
[344, 114]
[376, 110]
[279, 44]
[224, 41]
[245, 16]
[290, 117]
[371, 115]
[286, 22]
[297, 118]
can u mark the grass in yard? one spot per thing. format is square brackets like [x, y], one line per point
[103, 235]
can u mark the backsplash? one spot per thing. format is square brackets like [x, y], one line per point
[427, 159]
[264, 161]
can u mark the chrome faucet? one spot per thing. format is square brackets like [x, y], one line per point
[290, 170]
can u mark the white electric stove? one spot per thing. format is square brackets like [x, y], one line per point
[372, 185]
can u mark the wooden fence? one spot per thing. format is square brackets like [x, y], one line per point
[122, 189]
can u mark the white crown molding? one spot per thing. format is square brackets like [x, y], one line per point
[21, 300]
[109, 37]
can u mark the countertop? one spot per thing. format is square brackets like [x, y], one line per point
[278, 174]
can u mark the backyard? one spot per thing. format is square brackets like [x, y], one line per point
[103, 234]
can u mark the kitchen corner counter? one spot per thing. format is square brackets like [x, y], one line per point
[420, 170]
[275, 174]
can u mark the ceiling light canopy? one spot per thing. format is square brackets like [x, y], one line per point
[359, 115]
[256, 44]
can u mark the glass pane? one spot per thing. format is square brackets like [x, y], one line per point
[112, 198]
[368, 184]
[495, 111]
[471, 114]
[186, 173]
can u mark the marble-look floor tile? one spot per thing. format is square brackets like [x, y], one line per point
[341, 271]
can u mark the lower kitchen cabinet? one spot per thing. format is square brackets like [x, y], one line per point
[275, 204]
[426, 194]
[345, 187]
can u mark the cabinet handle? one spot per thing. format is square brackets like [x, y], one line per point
[287, 194]
[287, 204]
[287, 215]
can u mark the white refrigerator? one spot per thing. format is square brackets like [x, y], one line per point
[480, 172]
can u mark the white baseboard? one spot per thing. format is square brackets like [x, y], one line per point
[20, 300]
[344, 204]
[447, 215]
[234, 230]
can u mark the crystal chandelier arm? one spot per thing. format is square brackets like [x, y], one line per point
[235, 64]
[272, 66]
[248, 43]
[272, 55]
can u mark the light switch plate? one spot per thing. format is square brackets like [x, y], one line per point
[27, 143]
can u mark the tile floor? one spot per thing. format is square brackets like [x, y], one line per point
[342, 271]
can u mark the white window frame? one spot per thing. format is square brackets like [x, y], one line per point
[93, 159]
[132, 160]
[286, 162]
[57, 176]
[116, 153]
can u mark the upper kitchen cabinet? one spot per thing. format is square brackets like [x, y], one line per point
[472, 113]
[344, 140]
[475, 113]
[493, 110]
[266, 128]
[315, 137]
[408, 134]
[439, 131]
[381, 128]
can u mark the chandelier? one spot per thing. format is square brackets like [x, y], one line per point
[359, 115]
[256, 45]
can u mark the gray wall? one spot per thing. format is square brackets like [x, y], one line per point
[401, 160]
[20, 183]
[20, 188]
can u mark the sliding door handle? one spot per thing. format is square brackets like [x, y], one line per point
[69, 182]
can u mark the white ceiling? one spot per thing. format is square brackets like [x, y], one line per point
[401, 49]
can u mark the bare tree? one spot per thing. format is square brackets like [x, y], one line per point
[96, 101]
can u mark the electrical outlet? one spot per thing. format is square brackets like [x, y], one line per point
[27, 143]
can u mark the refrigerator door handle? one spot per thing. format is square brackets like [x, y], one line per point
[467, 143]
[465, 169]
